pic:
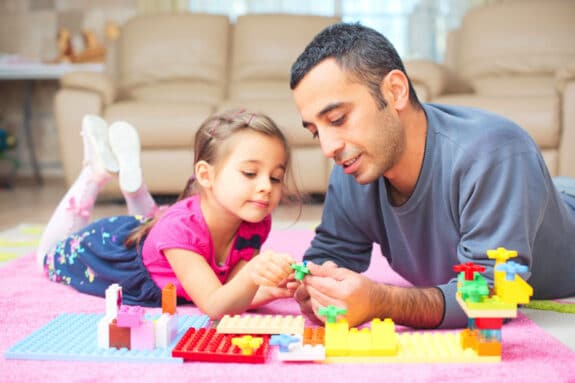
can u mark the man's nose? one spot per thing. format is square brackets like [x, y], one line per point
[330, 142]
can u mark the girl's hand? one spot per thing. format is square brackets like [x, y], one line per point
[271, 269]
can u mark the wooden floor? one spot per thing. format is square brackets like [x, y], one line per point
[29, 203]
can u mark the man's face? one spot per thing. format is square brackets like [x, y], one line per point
[365, 140]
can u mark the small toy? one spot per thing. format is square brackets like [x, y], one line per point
[301, 270]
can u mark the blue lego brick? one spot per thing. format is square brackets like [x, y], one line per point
[74, 337]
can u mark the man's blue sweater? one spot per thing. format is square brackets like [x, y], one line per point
[483, 184]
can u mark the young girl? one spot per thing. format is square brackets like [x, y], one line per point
[207, 244]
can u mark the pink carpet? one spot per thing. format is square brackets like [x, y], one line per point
[29, 301]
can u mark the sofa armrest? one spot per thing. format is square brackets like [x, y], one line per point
[99, 83]
[436, 78]
[564, 75]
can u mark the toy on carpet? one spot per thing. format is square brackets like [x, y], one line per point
[127, 333]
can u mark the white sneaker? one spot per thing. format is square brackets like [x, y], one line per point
[97, 151]
[125, 144]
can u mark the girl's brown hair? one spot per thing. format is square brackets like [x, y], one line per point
[208, 142]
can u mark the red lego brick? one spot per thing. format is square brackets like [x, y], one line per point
[207, 345]
[119, 336]
[488, 323]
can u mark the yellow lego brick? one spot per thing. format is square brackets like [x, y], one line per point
[247, 344]
[359, 342]
[385, 340]
[490, 308]
[336, 338]
[261, 324]
[515, 291]
[424, 347]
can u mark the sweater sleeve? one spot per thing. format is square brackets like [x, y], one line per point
[339, 238]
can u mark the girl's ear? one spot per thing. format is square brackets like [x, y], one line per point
[203, 172]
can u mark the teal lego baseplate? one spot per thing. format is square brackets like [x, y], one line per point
[74, 337]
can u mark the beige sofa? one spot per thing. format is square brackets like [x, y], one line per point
[168, 72]
[515, 58]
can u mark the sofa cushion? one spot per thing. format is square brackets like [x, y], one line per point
[266, 45]
[162, 125]
[174, 47]
[515, 86]
[507, 38]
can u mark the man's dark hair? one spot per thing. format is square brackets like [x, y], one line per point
[358, 50]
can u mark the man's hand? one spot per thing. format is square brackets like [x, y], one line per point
[331, 285]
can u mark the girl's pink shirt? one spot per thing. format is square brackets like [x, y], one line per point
[182, 226]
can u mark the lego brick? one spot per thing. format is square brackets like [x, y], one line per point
[74, 337]
[301, 270]
[103, 332]
[424, 347]
[169, 299]
[130, 316]
[489, 349]
[143, 336]
[208, 345]
[284, 340]
[261, 324]
[298, 352]
[488, 323]
[113, 300]
[313, 336]
[487, 309]
[248, 344]
[165, 330]
[382, 344]
[119, 336]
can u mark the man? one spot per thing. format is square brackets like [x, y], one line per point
[433, 185]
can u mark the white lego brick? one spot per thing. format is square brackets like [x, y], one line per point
[104, 332]
[113, 300]
[302, 353]
[166, 330]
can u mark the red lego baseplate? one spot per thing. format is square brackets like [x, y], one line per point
[207, 345]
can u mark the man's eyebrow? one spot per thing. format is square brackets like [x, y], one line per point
[328, 108]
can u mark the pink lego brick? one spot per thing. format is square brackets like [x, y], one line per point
[142, 337]
[130, 316]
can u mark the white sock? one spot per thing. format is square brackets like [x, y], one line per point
[140, 202]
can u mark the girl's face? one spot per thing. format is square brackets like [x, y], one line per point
[248, 180]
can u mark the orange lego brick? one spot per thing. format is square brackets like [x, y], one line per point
[313, 336]
[489, 349]
[169, 299]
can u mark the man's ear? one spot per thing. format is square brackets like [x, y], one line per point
[203, 172]
[395, 88]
